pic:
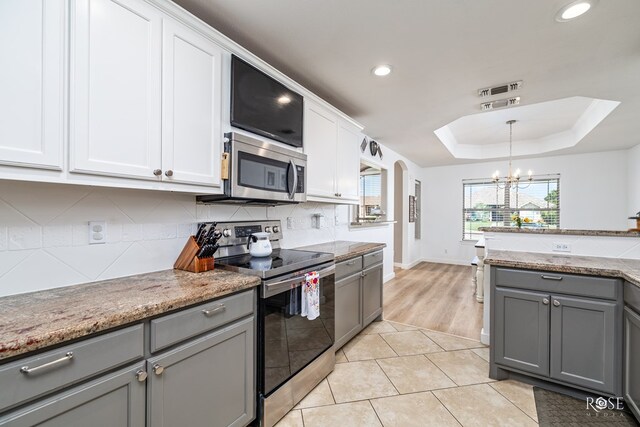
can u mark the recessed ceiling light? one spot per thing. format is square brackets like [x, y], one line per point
[284, 99]
[575, 9]
[382, 70]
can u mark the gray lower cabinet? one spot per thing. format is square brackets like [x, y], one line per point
[572, 340]
[632, 360]
[583, 343]
[371, 294]
[348, 308]
[209, 381]
[116, 399]
[358, 295]
[522, 330]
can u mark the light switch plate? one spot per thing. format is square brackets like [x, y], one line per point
[97, 232]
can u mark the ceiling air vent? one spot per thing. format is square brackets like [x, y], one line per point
[496, 90]
[501, 103]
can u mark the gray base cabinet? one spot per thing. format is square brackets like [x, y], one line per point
[358, 295]
[116, 399]
[207, 382]
[550, 333]
[632, 353]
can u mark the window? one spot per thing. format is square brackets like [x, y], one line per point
[487, 205]
[372, 195]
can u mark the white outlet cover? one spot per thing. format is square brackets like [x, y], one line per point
[561, 247]
[97, 232]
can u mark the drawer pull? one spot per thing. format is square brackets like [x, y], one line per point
[141, 375]
[214, 310]
[556, 303]
[65, 358]
[545, 277]
[545, 301]
[350, 263]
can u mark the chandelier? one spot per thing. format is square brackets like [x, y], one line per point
[512, 180]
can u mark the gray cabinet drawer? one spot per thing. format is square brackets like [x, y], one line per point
[632, 296]
[34, 376]
[348, 267]
[573, 284]
[173, 328]
[372, 259]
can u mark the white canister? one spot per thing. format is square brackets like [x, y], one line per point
[259, 244]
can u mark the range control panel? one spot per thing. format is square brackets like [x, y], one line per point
[236, 233]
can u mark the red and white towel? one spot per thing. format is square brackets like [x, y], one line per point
[311, 296]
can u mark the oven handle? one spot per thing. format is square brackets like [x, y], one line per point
[295, 179]
[284, 285]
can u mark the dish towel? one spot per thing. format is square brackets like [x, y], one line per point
[310, 300]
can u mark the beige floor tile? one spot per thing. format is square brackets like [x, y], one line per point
[452, 342]
[480, 405]
[340, 357]
[378, 327]
[413, 410]
[410, 374]
[482, 352]
[464, 367]
[402, 327]
[292, 419]
[520, 394]
[367, 347]
[410, 342]
[319, 396]
[359, 381]
[356, 414]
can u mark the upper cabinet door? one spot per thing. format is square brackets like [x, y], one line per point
[320, 133]
[348, 162]
[191, 124]
[115, 88]
[32, 37]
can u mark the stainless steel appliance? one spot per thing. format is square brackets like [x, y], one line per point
[294, 353]
[260, 172]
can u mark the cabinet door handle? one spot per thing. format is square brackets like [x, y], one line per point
[169, 173]
[27, 370]
[214, 310]
[556, 303]
[545, 301]
[157, 172]
[545, 277]
[363, 274]
[350, 263]
[141, 375]
[158, 369]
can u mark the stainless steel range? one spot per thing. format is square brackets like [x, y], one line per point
[294, 353]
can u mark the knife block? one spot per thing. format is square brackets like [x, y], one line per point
[188, 260]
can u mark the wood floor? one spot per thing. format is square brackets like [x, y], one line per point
[434, 296]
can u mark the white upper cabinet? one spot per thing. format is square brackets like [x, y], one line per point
[191, 122]
[320, 131]
[115, 98]
[333, 163]
[32, 37]
[348, 161]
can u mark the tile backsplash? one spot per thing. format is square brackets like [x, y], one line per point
[44, 232]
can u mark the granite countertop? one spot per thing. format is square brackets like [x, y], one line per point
[628, 269]
[41, 319]
[342, 249]
[562, 231]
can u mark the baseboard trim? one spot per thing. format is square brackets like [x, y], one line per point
[446, 261]
[484, 337]
[388, 277]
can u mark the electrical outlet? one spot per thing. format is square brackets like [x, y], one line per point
[560, 247]
[289, 223]
[97, 232]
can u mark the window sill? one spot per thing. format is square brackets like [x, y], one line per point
[361, 225]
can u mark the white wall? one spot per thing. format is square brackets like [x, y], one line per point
[633, 169]
[44, 239]
[593, 195]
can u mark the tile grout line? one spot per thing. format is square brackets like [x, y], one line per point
[375, 412]
[387, 376]
[447, 409]
[512, 402]
[441, 370]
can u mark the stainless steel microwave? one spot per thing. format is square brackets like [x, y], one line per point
[259, 172]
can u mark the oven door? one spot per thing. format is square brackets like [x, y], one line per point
[263, 171]
[288, 342]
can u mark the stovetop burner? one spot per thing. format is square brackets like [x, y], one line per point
[281, 261]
